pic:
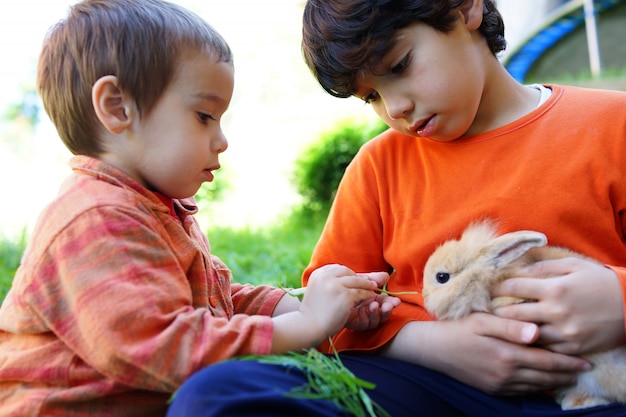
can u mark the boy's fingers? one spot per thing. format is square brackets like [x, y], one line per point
[335, 269]
[527, 288]
[380, 278]
[359, 281]
[510, 330]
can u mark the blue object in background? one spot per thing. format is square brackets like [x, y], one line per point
[569, 16]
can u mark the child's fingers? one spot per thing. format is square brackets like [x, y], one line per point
[550, 268]
[525, 288]
[358, 281]
[380, 278]
[332, 269]
[388, 303]
[337, 270]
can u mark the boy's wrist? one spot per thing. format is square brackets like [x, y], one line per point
[311, 326]
[296, 331]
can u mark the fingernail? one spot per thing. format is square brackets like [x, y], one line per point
[528, 333]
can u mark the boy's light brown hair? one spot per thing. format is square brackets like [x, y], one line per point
[140, 42]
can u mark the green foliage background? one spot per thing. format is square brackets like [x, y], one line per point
[10, 253]
[276, 254]
[319, 167]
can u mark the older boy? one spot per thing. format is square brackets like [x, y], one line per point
[469, 142]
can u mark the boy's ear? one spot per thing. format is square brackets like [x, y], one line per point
[472, 11]
[112, 107]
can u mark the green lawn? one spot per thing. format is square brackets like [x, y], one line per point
[273, 255]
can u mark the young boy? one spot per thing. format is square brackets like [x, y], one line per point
[468, 142]
[118, 300]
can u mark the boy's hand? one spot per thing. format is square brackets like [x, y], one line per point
[487, 352]
[333, 292]
[579, 309]
[492, 354]
[372, 313]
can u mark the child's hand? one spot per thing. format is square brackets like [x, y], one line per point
[579, 308]
[492, 354]
[333, 292]
[372, 312]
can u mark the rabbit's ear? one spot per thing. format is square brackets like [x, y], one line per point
[508, 247]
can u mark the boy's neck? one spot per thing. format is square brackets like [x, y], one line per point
[504, 101]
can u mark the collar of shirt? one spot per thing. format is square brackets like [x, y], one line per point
[169, 202]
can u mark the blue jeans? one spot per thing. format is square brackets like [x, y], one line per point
[248, 388]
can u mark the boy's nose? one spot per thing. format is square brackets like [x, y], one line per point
[398, 107]
[220, 143]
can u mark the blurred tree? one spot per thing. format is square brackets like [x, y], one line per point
[27, 109]
[320, 167]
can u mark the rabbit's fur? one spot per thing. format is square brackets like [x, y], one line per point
[459, 277]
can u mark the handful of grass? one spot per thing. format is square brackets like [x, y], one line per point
[329, 379]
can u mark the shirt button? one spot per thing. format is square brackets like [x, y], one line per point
[212, 301]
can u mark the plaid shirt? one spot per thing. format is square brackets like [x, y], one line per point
[117, 302]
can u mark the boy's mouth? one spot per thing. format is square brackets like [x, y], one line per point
[209, 172]
[424, 127]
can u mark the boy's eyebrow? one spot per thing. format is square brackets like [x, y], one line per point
[210, 97]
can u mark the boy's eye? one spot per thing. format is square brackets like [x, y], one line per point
[204, 118]
[401, 66]
[370, 98]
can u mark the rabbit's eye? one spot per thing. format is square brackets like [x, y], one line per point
[443, 277]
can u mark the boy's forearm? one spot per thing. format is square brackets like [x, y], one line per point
[406, 344]
[292, 331]
[289, 333]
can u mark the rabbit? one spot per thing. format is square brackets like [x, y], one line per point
[460, 275]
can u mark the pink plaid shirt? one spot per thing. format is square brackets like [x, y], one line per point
[117, 302]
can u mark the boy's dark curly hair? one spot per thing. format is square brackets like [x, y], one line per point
[343, 37]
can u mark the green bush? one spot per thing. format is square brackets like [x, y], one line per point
[319, 167]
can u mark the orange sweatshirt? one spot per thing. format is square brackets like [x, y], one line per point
[560, 169]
